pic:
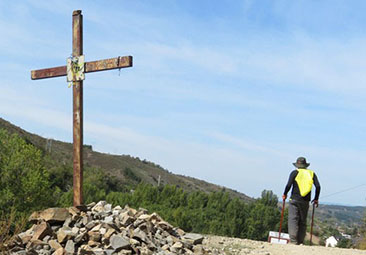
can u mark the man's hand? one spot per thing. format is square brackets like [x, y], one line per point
[316, 203]
[284, 197]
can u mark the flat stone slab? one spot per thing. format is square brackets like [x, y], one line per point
[118, 242]
[195, 238]
[50, 215]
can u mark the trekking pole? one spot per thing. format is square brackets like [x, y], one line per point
[282, 213]
[312, 223]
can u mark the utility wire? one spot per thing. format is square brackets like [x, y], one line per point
[338, 192]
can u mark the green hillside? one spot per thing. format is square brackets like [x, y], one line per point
[124, 169]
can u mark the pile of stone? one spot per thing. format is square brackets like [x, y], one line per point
[100, 229]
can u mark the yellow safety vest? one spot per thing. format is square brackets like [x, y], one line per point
[304, 180]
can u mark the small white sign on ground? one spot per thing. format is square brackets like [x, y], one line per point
[273, 237]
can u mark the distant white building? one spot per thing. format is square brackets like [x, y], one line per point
[331, 242]
[346, 236]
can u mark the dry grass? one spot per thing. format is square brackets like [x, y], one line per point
[10, 225]
[361, 244]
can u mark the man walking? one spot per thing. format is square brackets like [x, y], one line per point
[301, 180]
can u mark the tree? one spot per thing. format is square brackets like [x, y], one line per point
[24, 183]
[263, 217]
[344, 243]
[269, 198]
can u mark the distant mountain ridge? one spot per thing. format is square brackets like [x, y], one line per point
[350, 216]
[124, 168]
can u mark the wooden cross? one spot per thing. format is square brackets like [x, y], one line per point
[75, 72]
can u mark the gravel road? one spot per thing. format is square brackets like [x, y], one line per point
[231, 246]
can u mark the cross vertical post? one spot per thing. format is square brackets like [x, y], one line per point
[77, 50]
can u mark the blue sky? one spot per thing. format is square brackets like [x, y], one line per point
[231, 92]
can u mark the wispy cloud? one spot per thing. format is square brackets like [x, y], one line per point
[313, 63]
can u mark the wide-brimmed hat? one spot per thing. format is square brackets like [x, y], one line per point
[301, 162]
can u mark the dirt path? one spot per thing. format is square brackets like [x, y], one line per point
[231, 246]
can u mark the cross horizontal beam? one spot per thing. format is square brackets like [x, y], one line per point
[92, 66]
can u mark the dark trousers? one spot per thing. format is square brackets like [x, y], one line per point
[297, 213]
